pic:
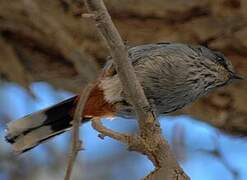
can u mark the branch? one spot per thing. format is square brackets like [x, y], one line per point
[150, 140]
[97, 124]
[76, 144]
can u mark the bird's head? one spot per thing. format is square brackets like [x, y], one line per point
[219, 70]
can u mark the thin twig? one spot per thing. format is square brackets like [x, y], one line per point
[76, 144]
[97, 125]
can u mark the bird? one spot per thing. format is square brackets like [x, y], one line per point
[172, 75]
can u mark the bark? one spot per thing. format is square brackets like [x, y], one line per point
[45, 40]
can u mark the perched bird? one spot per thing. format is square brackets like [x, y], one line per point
[171, 74]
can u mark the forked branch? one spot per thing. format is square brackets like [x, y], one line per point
[149, 140]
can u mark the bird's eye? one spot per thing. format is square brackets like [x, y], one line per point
[221, 59]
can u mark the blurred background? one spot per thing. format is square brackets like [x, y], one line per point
[48, 53]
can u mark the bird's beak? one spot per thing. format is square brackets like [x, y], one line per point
[236, 76]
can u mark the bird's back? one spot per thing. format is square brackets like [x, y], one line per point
[163, 70]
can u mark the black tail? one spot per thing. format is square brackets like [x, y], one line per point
[31, 130]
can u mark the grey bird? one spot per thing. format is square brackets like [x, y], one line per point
[171, 74]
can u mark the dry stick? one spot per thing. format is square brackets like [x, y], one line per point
[150, 141]
[97, 124]
[76, 143]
